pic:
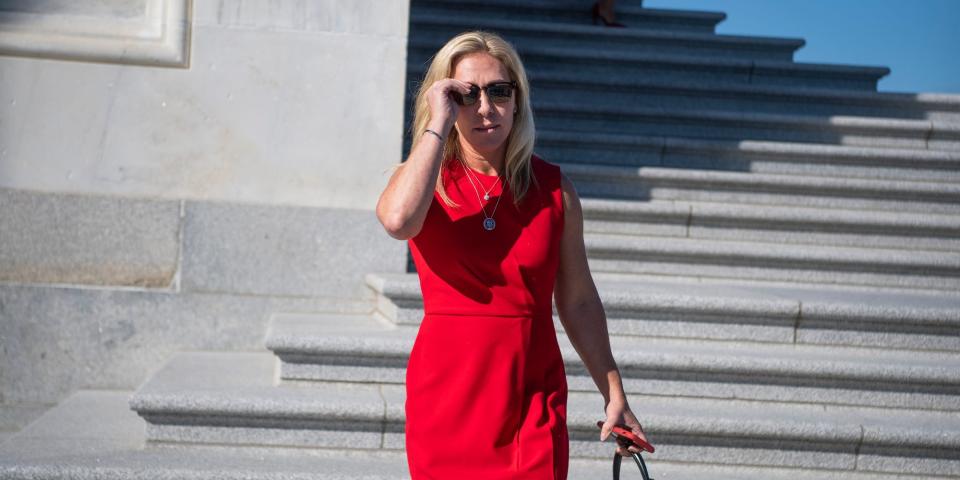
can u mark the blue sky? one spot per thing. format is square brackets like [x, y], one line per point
[918, 39]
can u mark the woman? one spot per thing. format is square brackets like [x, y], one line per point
[494, 231]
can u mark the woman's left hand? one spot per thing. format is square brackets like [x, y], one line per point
[618, 412]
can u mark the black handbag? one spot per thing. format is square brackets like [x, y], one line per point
[625, 438]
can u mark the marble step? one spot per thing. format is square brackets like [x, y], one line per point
[362, 348]
[707, 309]
[627, 119]
[560, 86]
[94, 434]
[773, 224]
[436, 29]
[929, 270]
[749, 156]
[710, 186]
[231, 398]
[710, 71]
[573, 12]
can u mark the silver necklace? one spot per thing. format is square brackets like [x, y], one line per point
[488, 222]
[486, 193]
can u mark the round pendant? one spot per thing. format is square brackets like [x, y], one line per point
[486, 196]
[489, 223]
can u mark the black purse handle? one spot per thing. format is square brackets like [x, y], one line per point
[637, 458]
[625, 442]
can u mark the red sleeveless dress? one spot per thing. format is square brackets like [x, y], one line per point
[485, 383]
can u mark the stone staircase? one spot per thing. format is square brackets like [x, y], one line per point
[777, 246]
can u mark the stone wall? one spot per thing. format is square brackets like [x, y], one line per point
[173, 172]
[287, 102]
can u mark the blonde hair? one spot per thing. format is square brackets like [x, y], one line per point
[519, 172]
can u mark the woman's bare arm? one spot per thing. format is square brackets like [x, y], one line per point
[585, 322]
[578, 303]
[404, 203]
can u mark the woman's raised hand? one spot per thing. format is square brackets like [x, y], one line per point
[442, 106]
[404, 203]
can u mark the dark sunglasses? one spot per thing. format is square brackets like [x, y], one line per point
[499, 92]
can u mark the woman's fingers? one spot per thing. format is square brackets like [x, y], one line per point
[441, 103]
[620, 413]
[464, 87]
[627, 452]
[606, 428]
[447, 85]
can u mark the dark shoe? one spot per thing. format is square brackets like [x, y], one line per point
[596, 15]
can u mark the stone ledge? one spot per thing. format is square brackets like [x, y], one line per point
[273, 250]
[159, 36]
[59, 446]
[203, 246]
[717, 186]
[59, 339]
[793, 218]
[686, 307]
[749, 43]
[309, 345]
[914, 268]
[766, 434]
[947, 105]
[747, 72]
[57, 238]
[875, 128]
[572, 11]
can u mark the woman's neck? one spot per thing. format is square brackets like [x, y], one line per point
[490, 163]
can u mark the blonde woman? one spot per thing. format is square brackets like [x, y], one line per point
[495, 231]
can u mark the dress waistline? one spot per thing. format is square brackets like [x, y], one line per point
[547, 314]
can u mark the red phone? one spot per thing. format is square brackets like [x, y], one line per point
[626, 437]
